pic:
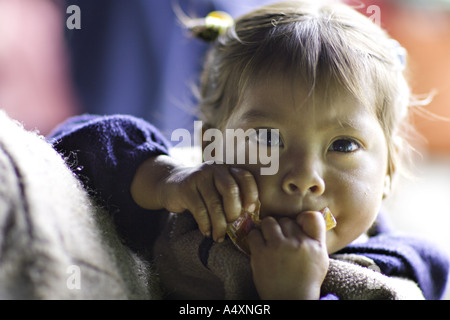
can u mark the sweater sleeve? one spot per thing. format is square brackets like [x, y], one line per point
[104, 152]
[405, 256]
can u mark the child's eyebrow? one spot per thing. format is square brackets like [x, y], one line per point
[255, 115]
[346, 124]
[350, 124]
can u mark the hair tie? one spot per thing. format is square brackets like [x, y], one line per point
[400, 53]
[219, 20]
[216, 23]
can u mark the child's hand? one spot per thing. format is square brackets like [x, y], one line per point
[214, 193]
[289, 257]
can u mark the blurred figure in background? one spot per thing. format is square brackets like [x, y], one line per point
[130, 56]
[134, 57]
[35, 84]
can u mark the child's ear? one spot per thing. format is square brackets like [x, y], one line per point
[387, 186]
[390, 176]
[392, 169]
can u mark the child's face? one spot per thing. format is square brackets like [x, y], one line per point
[333, 154]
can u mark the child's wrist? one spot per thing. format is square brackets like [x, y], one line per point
[148, 180]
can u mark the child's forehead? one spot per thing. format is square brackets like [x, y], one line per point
[323, 66]
[279, 99]
[268, 89]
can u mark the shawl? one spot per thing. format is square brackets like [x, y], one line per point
[55, 242]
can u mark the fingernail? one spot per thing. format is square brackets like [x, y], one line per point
[236, 170]
[221, 239]
[207, 234]
[251, 208]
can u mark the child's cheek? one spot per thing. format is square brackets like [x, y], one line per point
[270, 195]
[355, 205]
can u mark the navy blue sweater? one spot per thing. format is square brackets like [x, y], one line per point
[105, 151]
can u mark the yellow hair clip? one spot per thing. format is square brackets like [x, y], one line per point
[219, 21]
[212, 26]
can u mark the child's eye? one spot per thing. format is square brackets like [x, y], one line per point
[268, 137]
[344, 145]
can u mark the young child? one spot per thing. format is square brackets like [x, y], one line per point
[320, 86]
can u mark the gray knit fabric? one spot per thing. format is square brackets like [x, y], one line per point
[54, 243]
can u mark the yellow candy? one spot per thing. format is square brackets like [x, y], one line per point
[330, 221]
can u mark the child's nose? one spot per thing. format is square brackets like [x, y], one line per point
[304, 179]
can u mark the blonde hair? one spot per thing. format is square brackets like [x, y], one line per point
[318, 42]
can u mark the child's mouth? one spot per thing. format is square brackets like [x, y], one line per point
[239, 229]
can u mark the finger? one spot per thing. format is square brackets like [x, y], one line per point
[213, 202]
[290, 228]
[248, 187]
[230, 193]
[271, 230]
[312, 224]
[200, 213]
